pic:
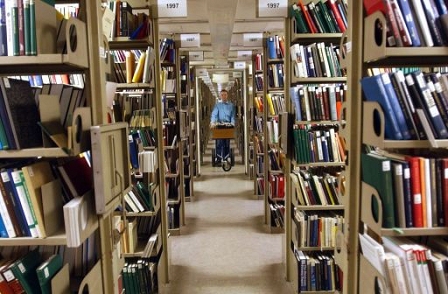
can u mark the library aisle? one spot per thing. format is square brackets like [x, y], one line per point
[224, 247]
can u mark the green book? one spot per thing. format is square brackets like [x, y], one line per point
[24, 270]
[327, 17]
[32, 36]
[26, 26]
[47, 270]
[301, 26]
[377, 172]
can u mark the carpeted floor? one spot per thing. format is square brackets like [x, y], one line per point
[224, 246]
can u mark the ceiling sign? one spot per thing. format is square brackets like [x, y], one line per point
[190, 40]
[272, 8]
[245, 54]
[238, 65]
[196, 55]
[172, 8]
[201, 72]
[253, 40]
[238, 74]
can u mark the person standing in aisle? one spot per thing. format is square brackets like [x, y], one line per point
[223, 112]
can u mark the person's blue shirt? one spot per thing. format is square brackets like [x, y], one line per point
[223, 112]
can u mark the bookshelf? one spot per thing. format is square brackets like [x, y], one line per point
[257, 134]
[187, 126]
[51, 61]
[366, 56]
[173, 126]
[145, 240]
[273, 101]
[315, 155]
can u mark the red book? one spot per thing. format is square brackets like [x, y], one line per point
[308, 18]
[444, 179]
[281, 186]
[331, 4]
[371, 6]
[417, 210]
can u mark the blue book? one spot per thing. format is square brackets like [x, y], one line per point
[3, 232]
[295, 99]
[374, 90]
[398, 110]
[272, 52]
[410, 23]
[441, 7]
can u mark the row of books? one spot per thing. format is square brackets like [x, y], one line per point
[258, 62]
[258, 124]
[276, 186]
[412, 188]
[320, 144]
[414, 22]
[138, 66]
[316, 60]
[126, 21]
[316, 229]
[139, 276]
[407, 266]
[317, 272]
[275, 75]
[21, 22]
[401, 96]
[329, 16]
[277, 211]
[260, 186]
[259, 82]
[318, 102]
[314, 189]
[275, 47]
[173, 216]
[21, 195]
[276, 159]
[75, 80]
[139, 198]
[275, 103]
[167, 50]
[273, 131]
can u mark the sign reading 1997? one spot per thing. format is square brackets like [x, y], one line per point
[272, 8]
[172, 8]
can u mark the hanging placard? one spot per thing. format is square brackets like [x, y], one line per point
[196, 55]
[239, 65]
[201, 72]
[172, 8]
[253, 40]
[244, 54]
[272, 8]
[190, 40]
[239, 74]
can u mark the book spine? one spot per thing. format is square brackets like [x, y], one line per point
[392, 23]
[24, 202]
[410, 22]
[3, 36]
[332, 6]
[32, 28]
[432, 20]
[422, 22]
[417, 212]
[401, 24]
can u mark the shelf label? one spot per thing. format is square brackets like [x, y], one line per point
[196, 55]
[238, 65]
[190, 40]
[253, 40]
[239, 74]
[201, 72]
[272, 8]
[172, 8]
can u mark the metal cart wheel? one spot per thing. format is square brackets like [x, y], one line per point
[226, 165]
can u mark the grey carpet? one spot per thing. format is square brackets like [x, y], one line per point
[224, 246]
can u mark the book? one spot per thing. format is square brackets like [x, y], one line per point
[35, 176]
[432, 19]
[375, 90]
[47, 270]
[10, 193]
[24, 270]
[416, 189]
[416, 80]
[77, 175]
[376, 171]
[410, 22]
[422, 22]
[17, 98]
[22, 195]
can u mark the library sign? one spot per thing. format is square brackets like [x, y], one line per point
[190, 40]
[272, 8]
[172, 8]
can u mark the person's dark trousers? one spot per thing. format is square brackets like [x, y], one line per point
[222, 147]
